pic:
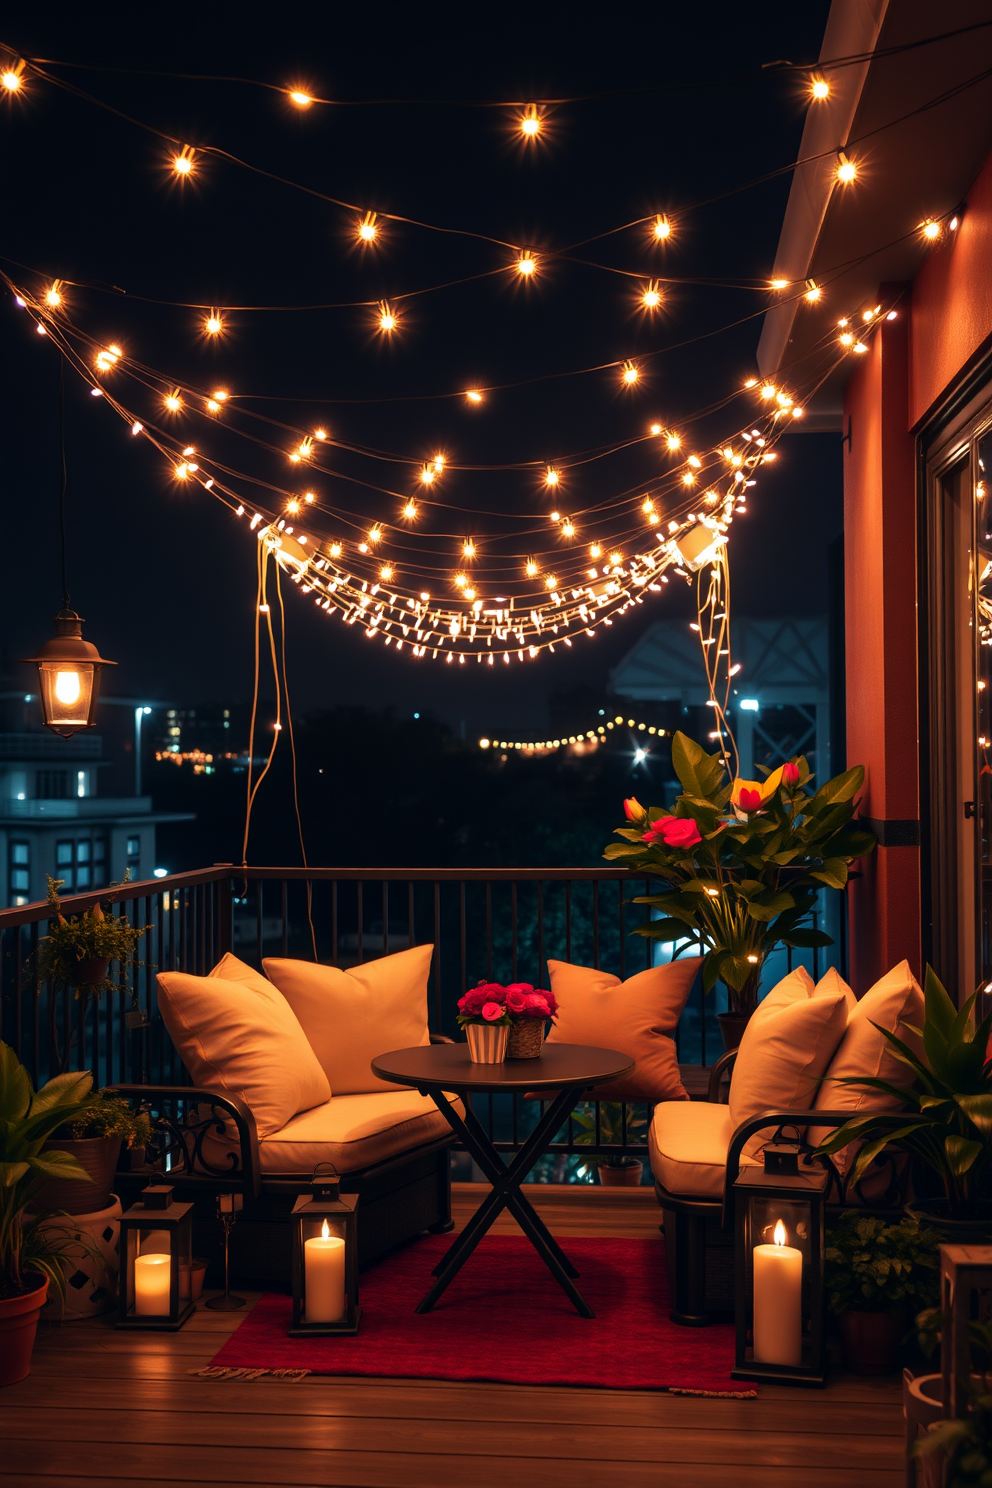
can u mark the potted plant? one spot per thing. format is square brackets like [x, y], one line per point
[959, 1451]
[30, 1254]
[94, 1138]
[616, 1170]
[77, 953]
[948, 1095]
[878, 1276]
[743, 862]
[519, 1009]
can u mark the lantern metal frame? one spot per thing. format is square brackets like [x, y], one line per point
[325, 1201]
[67, 651]
[790, 1177]
[156, 1210]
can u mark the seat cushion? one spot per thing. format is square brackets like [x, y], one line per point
[237, 1034]
[354, 1131]
[895, 1003]
[351, 1016]
[637, 1017]
[786, 1047]
[687, 1143]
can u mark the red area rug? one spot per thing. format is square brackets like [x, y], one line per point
[505, 1319]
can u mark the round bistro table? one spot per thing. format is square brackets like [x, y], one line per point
[564, 1071]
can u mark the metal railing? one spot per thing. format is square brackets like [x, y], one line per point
[492, 924]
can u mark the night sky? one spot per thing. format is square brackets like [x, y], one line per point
[163, 575]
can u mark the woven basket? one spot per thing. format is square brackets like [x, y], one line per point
[526, 1039]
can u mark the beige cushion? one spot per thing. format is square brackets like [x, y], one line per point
[797, 986]
[354, 1131]
[351, 1016]
[893, 1002]
[237, 1034]
[786, 1047]
[832, 981]
[637, 1017]
[687, 1143]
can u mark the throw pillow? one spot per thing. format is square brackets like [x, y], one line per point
[351, 1016]
[637, 1017]
[893, 1003]
[784, 1051]
[832, 981]
[237, 1034]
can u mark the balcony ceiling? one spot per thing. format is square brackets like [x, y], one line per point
[853, 239]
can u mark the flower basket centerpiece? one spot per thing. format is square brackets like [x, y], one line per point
[742, 863]
[505, 1022]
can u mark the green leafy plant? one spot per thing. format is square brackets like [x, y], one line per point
[27, 1120]
[948, 1091]
[110, 1116]
[965, 1443]
[78, 953]
[875, 1267]
[611, 1129]
[743, 860]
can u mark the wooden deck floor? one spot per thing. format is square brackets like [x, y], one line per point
[102, 1407]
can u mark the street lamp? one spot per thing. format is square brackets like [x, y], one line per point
[68, 677]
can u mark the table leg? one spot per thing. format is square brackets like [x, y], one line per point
[505, 1194]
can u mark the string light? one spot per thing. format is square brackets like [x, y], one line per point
[674, 441]
[631, 373]
[183, 163]
[779, 284]
[847, 171]
[388, 319]
[930, 229]
[367, 229]
[428, 474]
[552, 476]
[651, 298]
[468, 548]
[530, 123]
[813, 291]
[819, 88]
[662, 228]
[532, 569]
[213, 325]
[473, 395]
[12, 78]
[586, 738]
[173, 402]
[386, 572]
[220, 395]
[595, 551]
[299, 98]
[526, 265]
[567, 529]
[410, 510]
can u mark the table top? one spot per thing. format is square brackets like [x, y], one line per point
[448, 1067]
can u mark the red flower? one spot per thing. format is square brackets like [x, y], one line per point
[475, 1000]
[633, 810]
[492, 1010]
[749, 800]
[516, 1000]
[790, 773]
[674, 831]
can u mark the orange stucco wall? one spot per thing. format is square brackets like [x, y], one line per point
[880, 586]
[952, 304]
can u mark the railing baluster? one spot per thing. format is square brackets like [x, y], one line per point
[595, 923]
[462, 939]
[437, 957]
[489, 932]
[513, 930]
[385, 916]
[361, 922]
[285, 916]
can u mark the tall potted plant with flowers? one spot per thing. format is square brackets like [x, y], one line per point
[742, 862]
[516, 1014]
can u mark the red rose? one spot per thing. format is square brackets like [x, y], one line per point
[674, 831]
[492, 1010]
[748, 800]
[538, 1006]
[790, 773]
[516, 1001]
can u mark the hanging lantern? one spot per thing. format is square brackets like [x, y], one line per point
[325, 1259]
[68, 677]
[778, 1267]
[156, 1254]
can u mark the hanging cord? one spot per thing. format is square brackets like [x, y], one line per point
[713, 627]
[292, 750]
[65, 583]
[261, 608]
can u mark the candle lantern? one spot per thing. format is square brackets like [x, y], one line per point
[156, 1254]
[779, 1211]
[325, 1258]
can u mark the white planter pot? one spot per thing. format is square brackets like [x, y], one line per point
[90, 1282]
[486, 1043]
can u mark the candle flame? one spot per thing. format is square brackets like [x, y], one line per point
[779, 1234]
[325, 1234]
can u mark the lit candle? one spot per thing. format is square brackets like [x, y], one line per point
[324, 1272]
[152, 1284]
[778, 1302]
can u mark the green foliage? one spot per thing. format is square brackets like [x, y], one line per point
[948, 1090]
[27, 1120]
[110, 1116]
[95, 935]
[875, 1267]
[967, 1443]
[611, 1128]
[750, 884]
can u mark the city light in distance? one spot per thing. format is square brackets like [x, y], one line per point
[819, 88]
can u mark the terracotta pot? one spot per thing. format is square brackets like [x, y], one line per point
[629, 1176]
[732, 1026]
[18, 1326]
[98, 1155]
[90, 1279]
[90, 972]
[526, 1039]
[870, 1341]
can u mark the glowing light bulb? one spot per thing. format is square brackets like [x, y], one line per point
[688, 479]
[460, 580]
[779, 284]
[67, 688]
[630, 374]
[531, 569]
[375, 534]
[551, 582]
[655, 429]
[439, 462]
[13, 82]
[530, 123]
[468, 548]
[293, 507]
[309, 497]
[847, 339]
[674, 442]
[427, 475]
[595, 551]
[53, 295]
[173, 402]
[819, 88]
[616, 559]
[651, 298]
[220, 394]
[931, 229]
[797, 412]
[136, 428]
[368, 229]
[473, 395]
[526, 265]
[213, 325]
[847, 171]
[386, 571]
[213, 406]
[567, 529]
[768, 391]
[662, 228]
[182, 164]
[410, 510]
[813, 291]
[302, 100]
[552, 476]
[697, 463]
[556, 516]
[647, 505]
[335, 550]
[388, 319]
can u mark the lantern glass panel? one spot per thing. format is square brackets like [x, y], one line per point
[68, 691]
